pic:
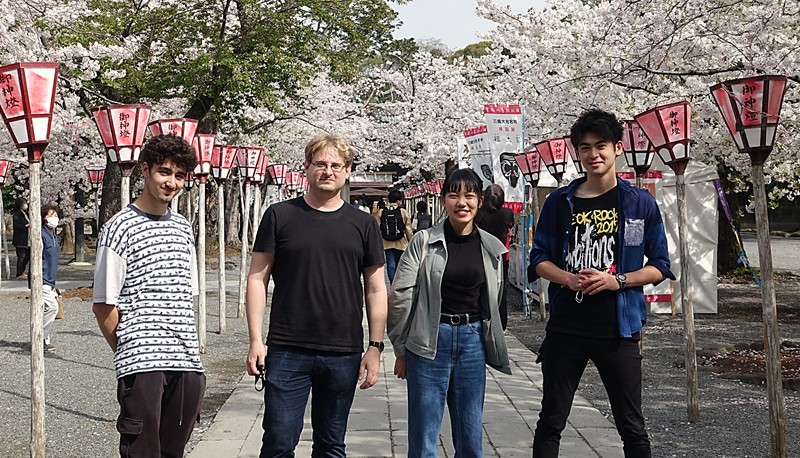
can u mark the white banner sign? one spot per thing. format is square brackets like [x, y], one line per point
[504, 129]
[479, 155]
[463, 153]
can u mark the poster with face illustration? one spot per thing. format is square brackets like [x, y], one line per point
[480, 158]
[504, 134]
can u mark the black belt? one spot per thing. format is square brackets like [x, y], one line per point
[459, 318]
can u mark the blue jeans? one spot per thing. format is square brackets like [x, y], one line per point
[392, 258]
[456, 375]
[291, 374]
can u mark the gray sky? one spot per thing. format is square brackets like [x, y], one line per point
[454, 22]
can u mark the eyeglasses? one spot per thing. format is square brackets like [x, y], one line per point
[335, 166]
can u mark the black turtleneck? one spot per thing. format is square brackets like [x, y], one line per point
[464, 274]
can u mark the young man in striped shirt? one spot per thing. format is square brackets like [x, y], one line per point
[145, 277]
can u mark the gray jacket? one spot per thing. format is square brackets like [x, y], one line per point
[416, 328]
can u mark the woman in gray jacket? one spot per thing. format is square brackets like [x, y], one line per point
[444, 321]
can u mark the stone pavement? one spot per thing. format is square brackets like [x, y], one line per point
[378, 423]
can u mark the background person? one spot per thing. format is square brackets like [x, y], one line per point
[21, 226]
[316, 249]
[395, 224]
[498, 221]
[51, 251]
[444, 340]
[144, 280]
[423, 219]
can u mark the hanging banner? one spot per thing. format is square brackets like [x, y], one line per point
[504, 129]
[463, 153]
[479, 156]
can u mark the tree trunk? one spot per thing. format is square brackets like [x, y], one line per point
[233, 212]
[68, 238]
[111, 198]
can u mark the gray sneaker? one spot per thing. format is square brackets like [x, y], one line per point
[48, 348]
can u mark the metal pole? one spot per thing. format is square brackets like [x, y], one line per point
[526, 310]
[243, 264]
[125, 191]
[692, 398]
[37, 445]
[256, 207]
[201, 266]
[772, 341]
[223, 323]
[96, 212]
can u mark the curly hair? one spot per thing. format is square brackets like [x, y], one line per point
[168, 148]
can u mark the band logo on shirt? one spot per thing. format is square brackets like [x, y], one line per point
[593, 240]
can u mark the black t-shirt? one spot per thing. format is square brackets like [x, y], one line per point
[319, 257]
[497, 223]
[594, 235]
[463, 275]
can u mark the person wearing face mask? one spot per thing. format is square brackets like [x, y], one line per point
[50, 254]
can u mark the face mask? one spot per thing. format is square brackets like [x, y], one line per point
[52, 222]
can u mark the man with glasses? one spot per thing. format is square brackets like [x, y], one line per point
[316, 249]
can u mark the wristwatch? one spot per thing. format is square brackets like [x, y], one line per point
[376, 344]
[622, 279]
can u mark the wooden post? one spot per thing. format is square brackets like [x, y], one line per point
[37, 445]
[692, 398]
[243, 264]
[125, 191]
[201, 267]
[772, 342]
[256, 208]
[542, 288]
[223, 322]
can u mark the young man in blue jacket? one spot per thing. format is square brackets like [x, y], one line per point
[591, 243]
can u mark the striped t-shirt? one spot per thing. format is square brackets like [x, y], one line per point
[146, 267]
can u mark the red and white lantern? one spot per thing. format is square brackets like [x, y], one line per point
[96, 174]
[636, 147]
[122, 129]
[669, 129]
[222, 161]
[203, 145]
[247, 158]
[554, 155]
[182, 127]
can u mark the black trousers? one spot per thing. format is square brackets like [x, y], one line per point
[23, 256]
[619, 364]
[158, 411]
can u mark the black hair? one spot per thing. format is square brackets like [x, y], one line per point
[462, 179]
[493, 198]
[168, 148]
[19, 202]
[422, 207]
[395, 196]
[601, 123]
[47, 207]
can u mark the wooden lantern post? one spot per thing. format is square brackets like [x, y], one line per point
[751, 109]
[247, 158]
[29, 98]
[222, 160]
[669, 128]
[203, 146]
[122, 129]
[530, 164]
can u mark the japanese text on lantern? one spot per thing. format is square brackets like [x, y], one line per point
[673, 115]
[749, 103]
[641, 142]
[8, 91]
[124, 124]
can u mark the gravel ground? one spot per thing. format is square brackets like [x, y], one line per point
[734, 413]
[81, 405]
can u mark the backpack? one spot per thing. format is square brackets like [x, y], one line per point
[424, 221]
[392, 226]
